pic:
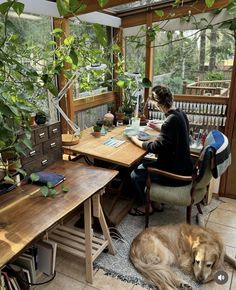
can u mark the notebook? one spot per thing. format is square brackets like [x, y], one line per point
[45, 177]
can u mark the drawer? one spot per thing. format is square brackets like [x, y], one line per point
[54, 130]
[55, 155]
[32, 154]
[41, 134]
[52, 144]
[36, 165]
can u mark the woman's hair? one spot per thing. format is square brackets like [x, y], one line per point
[163, 96]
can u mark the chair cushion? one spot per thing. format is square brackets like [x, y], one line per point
[173, 195]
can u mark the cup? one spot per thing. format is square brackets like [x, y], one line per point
[135, 123]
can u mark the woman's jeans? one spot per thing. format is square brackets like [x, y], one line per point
[138, 181]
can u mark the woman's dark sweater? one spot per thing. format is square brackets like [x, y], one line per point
[172, 146]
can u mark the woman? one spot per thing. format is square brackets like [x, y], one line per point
[171, 146]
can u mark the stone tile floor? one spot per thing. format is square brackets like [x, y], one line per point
[71, 270]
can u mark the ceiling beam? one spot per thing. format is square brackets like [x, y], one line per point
[92, 5]
[139, 18]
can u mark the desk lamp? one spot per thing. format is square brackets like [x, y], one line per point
[137, 91]
[72, 139]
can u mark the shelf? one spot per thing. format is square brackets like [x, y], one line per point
[73, 242]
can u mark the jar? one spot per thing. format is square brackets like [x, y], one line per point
[108, 121]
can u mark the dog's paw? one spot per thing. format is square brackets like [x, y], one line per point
[185, 286]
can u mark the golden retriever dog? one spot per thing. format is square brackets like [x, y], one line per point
[193, 249]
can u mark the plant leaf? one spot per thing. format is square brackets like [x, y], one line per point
[159, 13]
[7, 178]
[44, 190]
[209, 3]
[4, 7]
[102, 3]
[146, 83]
[64, 188]
[73, 56]
[18, 7]
[34, 177]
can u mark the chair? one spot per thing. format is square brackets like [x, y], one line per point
[216, 145]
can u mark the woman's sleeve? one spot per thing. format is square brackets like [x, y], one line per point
[164, 140]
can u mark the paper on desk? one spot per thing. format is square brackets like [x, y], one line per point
[114, 142]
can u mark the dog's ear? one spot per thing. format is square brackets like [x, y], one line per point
[219, 257]
[193, 253]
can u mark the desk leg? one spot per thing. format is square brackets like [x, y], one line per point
[98, 213]
[88, 240]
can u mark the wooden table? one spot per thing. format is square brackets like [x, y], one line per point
[125, 155]
[25, 214]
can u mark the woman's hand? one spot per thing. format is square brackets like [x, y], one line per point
[154, 126]
[136, 141]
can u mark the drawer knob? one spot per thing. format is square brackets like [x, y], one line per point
[32, 153]
[54, 131]
[44, 162]
[52, 144]
[41, 135]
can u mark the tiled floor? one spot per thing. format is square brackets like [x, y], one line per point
[71, 270]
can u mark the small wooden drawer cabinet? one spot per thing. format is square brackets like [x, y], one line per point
[46, 149]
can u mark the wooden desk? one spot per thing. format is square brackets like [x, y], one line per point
[25, 214]
[125, 155]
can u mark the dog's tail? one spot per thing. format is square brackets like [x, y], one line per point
[161, 275]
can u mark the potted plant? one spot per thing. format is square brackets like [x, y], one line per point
[96, 131]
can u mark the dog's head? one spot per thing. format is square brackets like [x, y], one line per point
[208, 258]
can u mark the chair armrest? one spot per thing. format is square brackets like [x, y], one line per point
[169, 174]
[194, 155]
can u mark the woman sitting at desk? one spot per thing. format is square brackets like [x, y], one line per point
[171, 145]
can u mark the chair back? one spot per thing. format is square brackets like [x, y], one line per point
[202, 176]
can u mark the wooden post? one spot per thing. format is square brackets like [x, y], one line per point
[88, 240]
[118, 37]
[149, 59]
[65, 103]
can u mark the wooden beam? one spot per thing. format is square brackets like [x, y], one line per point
[94, 101]
[139, 17]
[92, 5]
[149, 60]
[230, 132]
[65, 103]
[119, 39]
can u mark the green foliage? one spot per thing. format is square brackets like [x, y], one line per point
[29, 65]
[214, 75]
[96, 128]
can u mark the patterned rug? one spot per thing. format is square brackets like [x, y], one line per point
[119, 265]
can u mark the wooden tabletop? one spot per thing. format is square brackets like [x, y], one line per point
[126, 154]
[25, 213]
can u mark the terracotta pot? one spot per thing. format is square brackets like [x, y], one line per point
[120, 116]
[97, 134]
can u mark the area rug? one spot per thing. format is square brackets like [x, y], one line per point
[119, 265]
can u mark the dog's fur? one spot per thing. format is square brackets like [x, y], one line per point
[195, 250]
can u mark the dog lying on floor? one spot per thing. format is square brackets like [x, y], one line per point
[194, 250]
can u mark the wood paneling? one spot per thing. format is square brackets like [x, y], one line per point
[202, 99]
[94, 101]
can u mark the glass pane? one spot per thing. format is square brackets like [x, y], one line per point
[92, 81]
[193, 58]
[35, 33]
[135, 54]
[136, 4]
